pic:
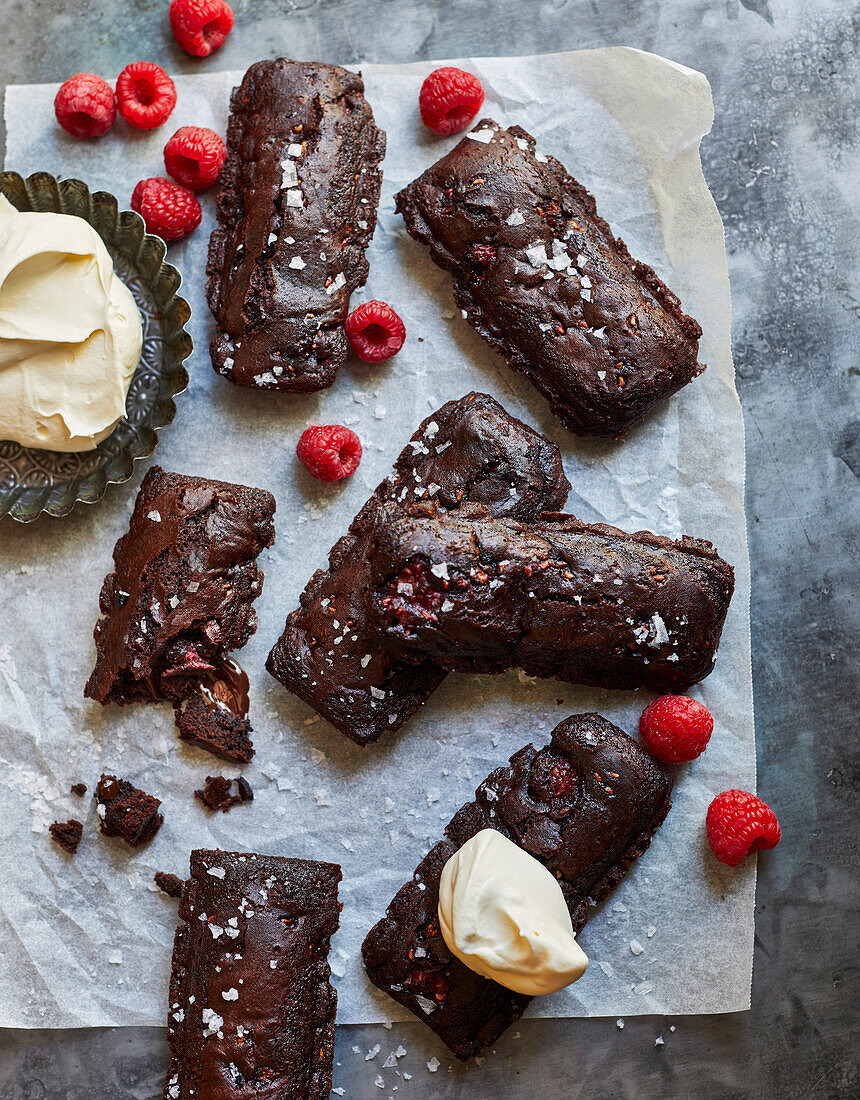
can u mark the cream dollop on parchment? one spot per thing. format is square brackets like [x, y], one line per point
[503, 914]
[70, 332]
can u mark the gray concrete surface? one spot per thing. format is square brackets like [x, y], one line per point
[782, 162]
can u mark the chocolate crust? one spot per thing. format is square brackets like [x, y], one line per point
[597, 332]
[237, 1024]
[586, 806]
[470, 449]
[296, 211]
[179, 599]
[583, 603]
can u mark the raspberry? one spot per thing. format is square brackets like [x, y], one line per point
[169, 211]
[85, 106]
[375, 331]
[145, 95]
[553, 776]
[194, 156]
[329, 451]
[201, 26]
[676, 728]
[481, 255]
[739, 823]
[449, 100]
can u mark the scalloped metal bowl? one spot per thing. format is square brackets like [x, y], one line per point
[34, 481]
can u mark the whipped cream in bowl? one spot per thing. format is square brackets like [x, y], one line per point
[93, 341]
[70, 332]
[502, 914]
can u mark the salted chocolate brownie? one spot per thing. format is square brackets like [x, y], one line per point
[544, 281]
[585, 603]
[67, 834]
[586, 806]
[126, 811]
[328, 655]
[252, 1009]
[180, 599]
[296, 211]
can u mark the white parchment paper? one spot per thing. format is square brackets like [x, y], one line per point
[87, 941]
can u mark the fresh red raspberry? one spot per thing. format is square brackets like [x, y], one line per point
[449, 100]
[329, 451]
[85, 106]
[194, 156]
[676, 728]
[375, 331]
[201, 26]
[739, 823]
[169, 211]
[145, 95]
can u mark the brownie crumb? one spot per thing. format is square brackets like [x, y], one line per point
[126, 811]
[67, 834]
[80, 789]
[216, 729]
[217, 795]
[168, 884]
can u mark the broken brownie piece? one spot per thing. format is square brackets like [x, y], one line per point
[180, 600]
[543, 280]
[169, 884]
[210, 725]
[296, 212]
[67, 834]
[328, 655]
[585, 603]
[78, 789]
[252, 1009]
[126, 811]
[586, 806]
[217, 794]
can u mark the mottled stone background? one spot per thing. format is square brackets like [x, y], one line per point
[782, 162]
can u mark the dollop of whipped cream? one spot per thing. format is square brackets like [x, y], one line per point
[503, 914]
[70, 332]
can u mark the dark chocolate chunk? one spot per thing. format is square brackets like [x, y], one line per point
[586, 806]
[126, 811]
[180, 599]
[217, 792]
[67, 834]
[296, 211]
[169, 884]
[79, 789]
[328, 655]
[543, 280]
[584, 603]
[252, 1009]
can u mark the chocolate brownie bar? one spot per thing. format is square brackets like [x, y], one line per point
[328, 655]
[179, 600]
[543, 280]
[67, 834]
[296, 211]
[126, 811]
[252, 1009]
[585, 603]
[586, 806]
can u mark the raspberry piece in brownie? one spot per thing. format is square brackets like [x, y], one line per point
[126, 811]
[67, 834]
